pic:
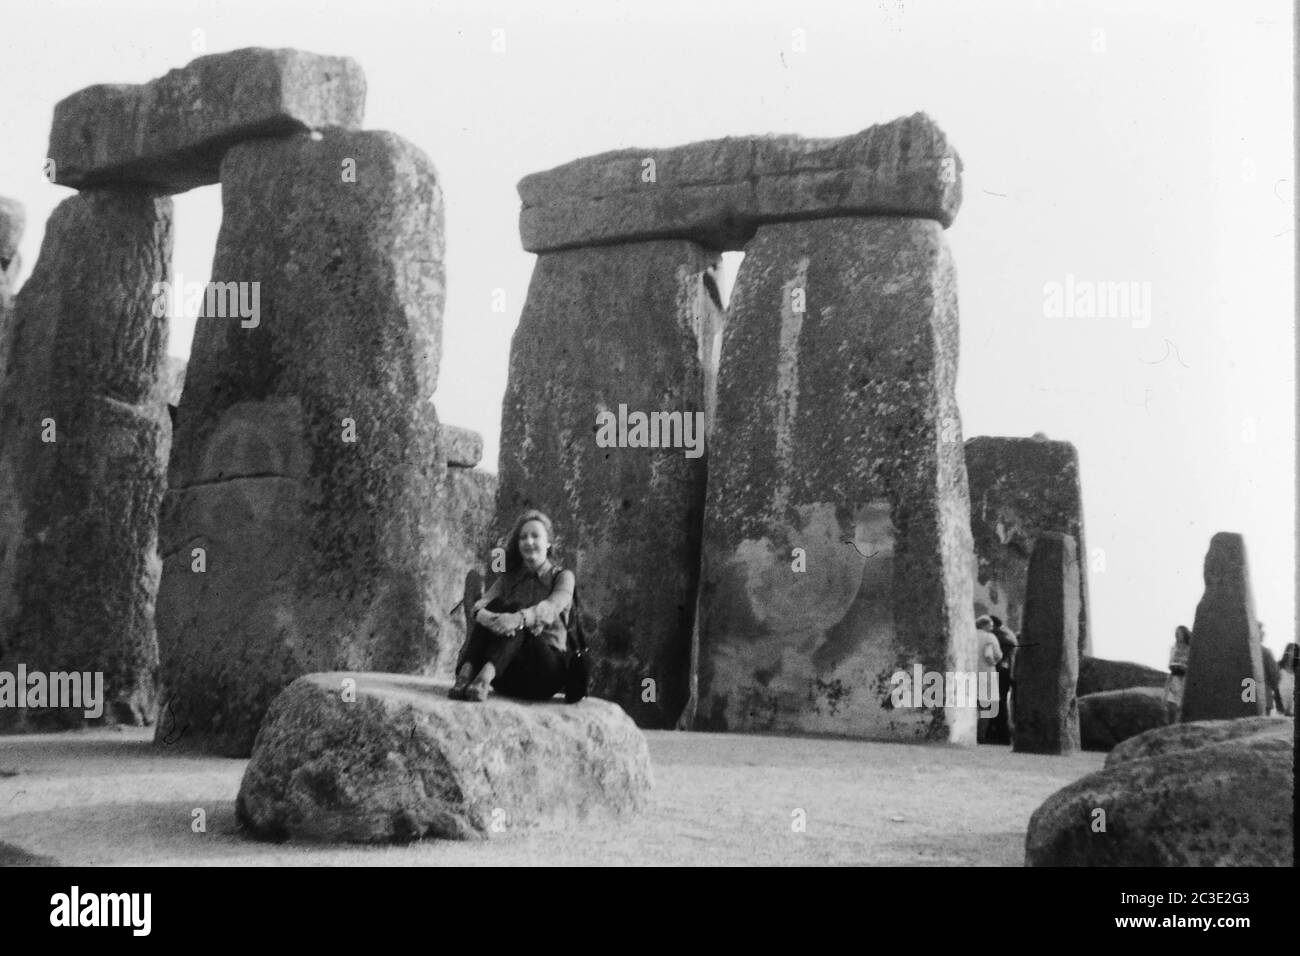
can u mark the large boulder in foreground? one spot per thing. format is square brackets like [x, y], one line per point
[1097, 674]
[391, 758]
[1195, 801]
[1112, 716]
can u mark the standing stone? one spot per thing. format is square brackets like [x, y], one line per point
[173, 380]
[616, 330]
[170, 134]
[306, 463]
[1225, 652]
[13, 219]
[837, 531]
[1021, 488]
[465, 507]
[84, 437]
[1047, 663]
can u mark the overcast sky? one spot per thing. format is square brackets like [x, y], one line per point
[1109, 142]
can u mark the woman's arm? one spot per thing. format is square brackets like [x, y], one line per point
[489, 596]
[548, 611]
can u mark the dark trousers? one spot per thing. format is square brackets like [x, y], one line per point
[526, 665]
[999, 729]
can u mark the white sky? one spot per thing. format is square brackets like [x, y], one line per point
[1164, 157]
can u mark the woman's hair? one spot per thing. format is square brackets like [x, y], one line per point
[1289, 656]
[515, 560]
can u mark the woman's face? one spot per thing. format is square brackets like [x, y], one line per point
[533, 542]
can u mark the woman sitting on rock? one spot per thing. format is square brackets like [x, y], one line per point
[518, 641]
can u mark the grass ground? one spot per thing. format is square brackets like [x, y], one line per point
[108, 797]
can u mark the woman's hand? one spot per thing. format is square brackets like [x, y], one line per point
[510, 623]
[500, 624]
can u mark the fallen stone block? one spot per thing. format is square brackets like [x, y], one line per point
[1096, 674]
[372, 758]
[1108, 717]
[1226, 802]
[719, 192]
[171, 133]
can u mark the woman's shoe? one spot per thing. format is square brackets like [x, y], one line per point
[457, 691]
[478, 691]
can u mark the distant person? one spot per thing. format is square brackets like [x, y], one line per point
[988, 656]
[1178, 671]
[1286, 678]
[1000, 729]
[518, 642]
[1272, 675]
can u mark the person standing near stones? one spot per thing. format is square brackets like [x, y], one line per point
[1286, 679]
[1000, 729]
[989, 657]
[1272, 675]
[517, 646]
[1178, 670]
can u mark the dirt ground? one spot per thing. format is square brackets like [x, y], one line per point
[108, 797]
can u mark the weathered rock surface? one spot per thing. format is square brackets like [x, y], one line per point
[171, 133]
[1047, 660]
[1225, 650]
[837, 537]
[1021, 488]
[466, 505]
[306, 460]
[1227, 802]
[1176, 738]
[1097, 674]
[13, 220]
[604, 329]
[83, 453]
[399, 761]
[463, 447]
[719, 192]
[172, 381]
[1110, 716]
